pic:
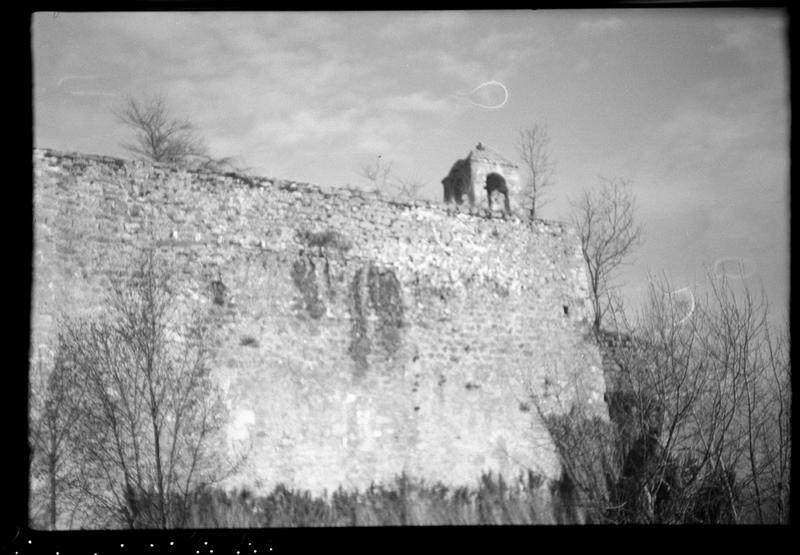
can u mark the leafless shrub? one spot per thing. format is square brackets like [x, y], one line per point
[378, 175]
[148, 411]
[701, 407]
[55, 395]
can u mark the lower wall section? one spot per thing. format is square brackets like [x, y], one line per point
[323, 395]
[319, 429]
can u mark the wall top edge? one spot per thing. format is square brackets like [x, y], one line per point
[254, 181]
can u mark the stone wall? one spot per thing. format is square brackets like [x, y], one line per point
[357, 338]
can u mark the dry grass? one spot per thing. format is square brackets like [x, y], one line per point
[404, 503]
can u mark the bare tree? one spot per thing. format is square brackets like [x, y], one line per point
[533, 147]
[605, 222]
[718, 377]
[55, 395]
[150, 408]
[378, 173]
[160, 136]
[772, 441]
[408, 188]
[702, 412]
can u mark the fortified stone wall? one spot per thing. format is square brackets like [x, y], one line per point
[356, 338]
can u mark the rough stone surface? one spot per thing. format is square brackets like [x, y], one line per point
[357, 338]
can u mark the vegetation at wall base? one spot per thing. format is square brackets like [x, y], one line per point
[405, 502]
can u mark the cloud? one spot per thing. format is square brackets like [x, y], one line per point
[507, 52]
[582, 66]
[701, 133]
[738, 35]
[306, 125]
[466, 70]
[164, 47]
[715, 127]
[598, 26]
[422, 102]
[64, 83]
[712, 176]
[746, 32]
[93, 93]
[759, 41]
[404, 26]
[384, 132]
[712, 181]
[498, 41]
[260, 91]
[68, 78]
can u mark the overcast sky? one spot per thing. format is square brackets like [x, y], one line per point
[691, 105]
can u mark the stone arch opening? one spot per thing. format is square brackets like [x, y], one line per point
[496, 183]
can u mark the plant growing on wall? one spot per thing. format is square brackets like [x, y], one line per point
[149, 407]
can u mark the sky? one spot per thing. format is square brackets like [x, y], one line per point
[691, 106]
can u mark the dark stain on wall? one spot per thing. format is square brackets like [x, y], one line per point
[325, 244]
[387, 301]
[331, 290]
[325, 239]
[248, 341]
[218, 291]
[375, 291]
[304, 275]
[359, 340]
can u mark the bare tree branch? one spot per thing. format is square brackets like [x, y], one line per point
[160, 136]
[408, 188]
[701, 406]
[605, 222]
[147, 411]
[533, 148]
[377, 174]
[54, 395]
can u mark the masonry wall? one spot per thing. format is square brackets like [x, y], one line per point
[356, 338]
